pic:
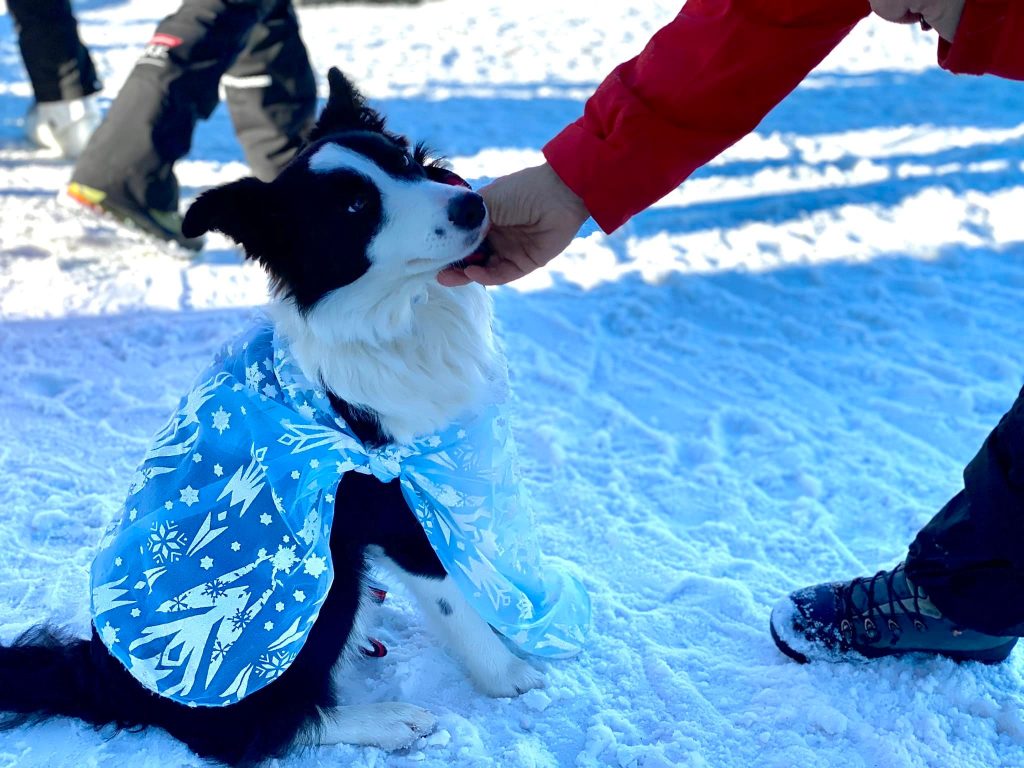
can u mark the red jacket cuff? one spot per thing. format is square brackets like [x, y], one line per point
[576, 156]
[986, 40]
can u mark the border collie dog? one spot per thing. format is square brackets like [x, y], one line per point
[352, 234]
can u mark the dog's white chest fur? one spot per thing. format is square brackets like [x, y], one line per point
[416, 356]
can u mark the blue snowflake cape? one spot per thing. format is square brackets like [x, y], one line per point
[207, 586]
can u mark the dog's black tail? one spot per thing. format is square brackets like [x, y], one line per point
[48, 673]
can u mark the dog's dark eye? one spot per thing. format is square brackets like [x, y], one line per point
[356, 204]
[405, 161]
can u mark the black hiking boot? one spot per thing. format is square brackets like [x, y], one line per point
[164, 225]
[875, 616]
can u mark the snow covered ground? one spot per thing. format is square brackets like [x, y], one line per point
[772, 378]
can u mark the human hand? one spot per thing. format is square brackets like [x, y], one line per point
[942, 15]
[534, 216]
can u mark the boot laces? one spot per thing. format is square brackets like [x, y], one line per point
[877, 600]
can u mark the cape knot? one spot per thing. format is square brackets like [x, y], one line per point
[383, 463]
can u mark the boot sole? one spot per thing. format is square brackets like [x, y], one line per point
[994, 655]
[796, 656]
[130, 219]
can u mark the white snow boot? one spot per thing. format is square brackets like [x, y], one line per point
[64, 126]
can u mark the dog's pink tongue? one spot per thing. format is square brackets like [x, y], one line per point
[480, 255]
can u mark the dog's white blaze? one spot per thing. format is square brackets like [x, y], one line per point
[333, 157]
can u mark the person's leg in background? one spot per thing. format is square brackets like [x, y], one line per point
[271, 92]
[62, 73]
[960, 591]
[127, 169]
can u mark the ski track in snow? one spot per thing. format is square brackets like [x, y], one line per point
[772, 378]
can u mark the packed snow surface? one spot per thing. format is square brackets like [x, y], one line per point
[772, 378]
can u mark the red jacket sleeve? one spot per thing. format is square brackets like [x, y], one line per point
[701, 84]
[989, 40]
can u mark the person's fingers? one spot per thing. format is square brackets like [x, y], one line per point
[897, 11]
[946, 18]
[906, 18]
[452, 277]
[942, 15]
[534, 216]
[496, 272]
[892, 10]
[528, 249]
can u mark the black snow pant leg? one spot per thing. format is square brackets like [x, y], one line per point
[271, 92]
[970, 557]
[57, 62]
[173, 85]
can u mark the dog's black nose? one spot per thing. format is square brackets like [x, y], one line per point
[466, 211]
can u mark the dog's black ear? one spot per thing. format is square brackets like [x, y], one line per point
[242, 210]
[346, 110]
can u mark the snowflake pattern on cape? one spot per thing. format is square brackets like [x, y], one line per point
[255, 451]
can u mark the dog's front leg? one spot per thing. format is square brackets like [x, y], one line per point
[389, 725]
[494, 668]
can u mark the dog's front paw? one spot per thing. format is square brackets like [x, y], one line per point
[388, 725]
[399, 725]
[511, 678]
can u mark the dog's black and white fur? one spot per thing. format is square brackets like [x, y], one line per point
[352, 234]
